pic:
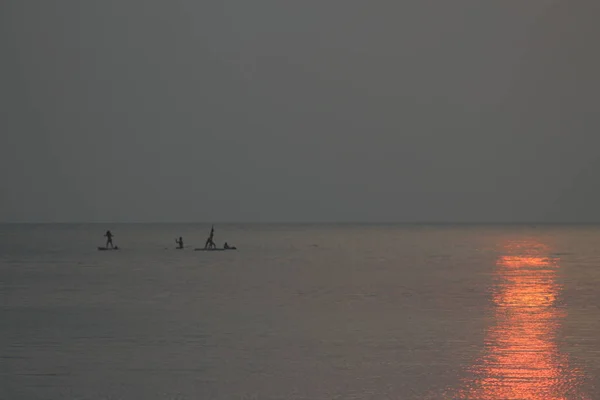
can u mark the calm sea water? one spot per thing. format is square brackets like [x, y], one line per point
[300, 312]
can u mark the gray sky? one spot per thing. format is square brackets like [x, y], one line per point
[237, 110]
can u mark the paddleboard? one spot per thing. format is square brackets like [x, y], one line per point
[108, 248]
[202, 249]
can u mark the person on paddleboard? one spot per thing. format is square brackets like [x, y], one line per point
[109, 237]
[179, 242]
[210, 244]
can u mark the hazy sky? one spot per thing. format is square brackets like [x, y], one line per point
[238, 110]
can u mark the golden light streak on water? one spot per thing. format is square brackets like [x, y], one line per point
[521, 358]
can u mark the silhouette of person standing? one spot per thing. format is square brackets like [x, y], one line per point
[109, 237]
[210, 244]
[179, 242]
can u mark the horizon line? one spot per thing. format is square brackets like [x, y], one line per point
[305, 222]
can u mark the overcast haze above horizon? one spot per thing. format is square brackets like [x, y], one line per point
[265, 111]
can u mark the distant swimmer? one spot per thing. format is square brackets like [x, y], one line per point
[179, 242]
[210, 244]
[109, 237]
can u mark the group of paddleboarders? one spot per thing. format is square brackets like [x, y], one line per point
[209, 244]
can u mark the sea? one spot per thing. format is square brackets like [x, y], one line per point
[300, 311]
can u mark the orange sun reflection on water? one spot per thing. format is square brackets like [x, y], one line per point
[521, 358]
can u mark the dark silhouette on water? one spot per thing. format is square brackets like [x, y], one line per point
[210, 244]
[109, 237]
[109, 242]
[179, 242]
[212, 247]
